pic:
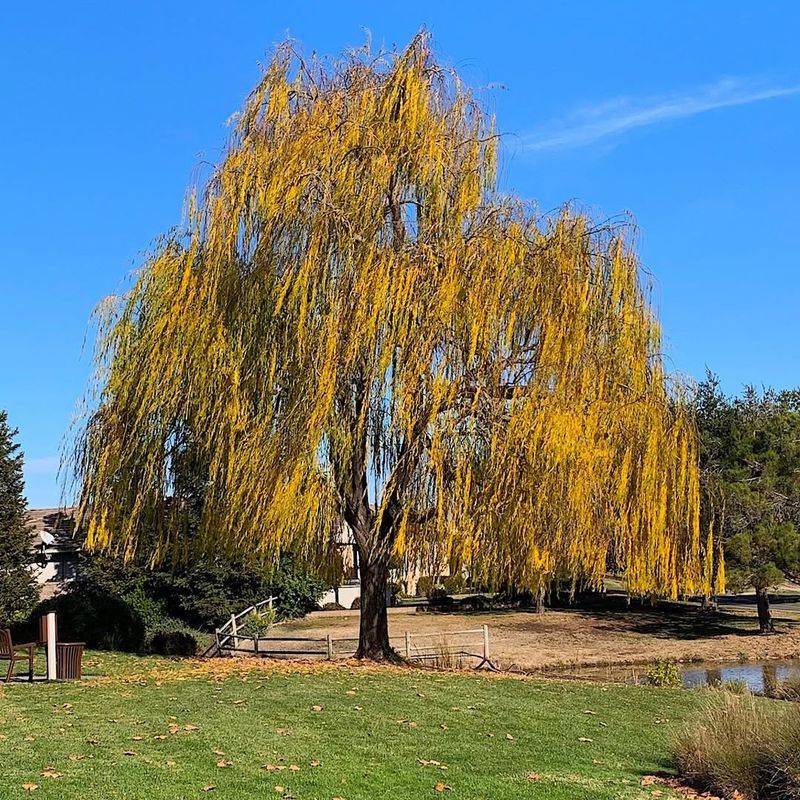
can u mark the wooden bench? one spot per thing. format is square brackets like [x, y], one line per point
[16, 652]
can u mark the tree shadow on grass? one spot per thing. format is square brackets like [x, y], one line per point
[613, 612]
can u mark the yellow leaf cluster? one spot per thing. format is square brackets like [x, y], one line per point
[354, 321]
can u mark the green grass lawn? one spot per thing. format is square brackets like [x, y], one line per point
[170, 730]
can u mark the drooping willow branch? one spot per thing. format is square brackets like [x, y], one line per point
[355, 326]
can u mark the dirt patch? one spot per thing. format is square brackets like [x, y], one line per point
[586, 637]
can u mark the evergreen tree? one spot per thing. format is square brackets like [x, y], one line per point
[750, 460]
[17, 585]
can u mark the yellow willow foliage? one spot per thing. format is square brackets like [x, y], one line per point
[355, 325]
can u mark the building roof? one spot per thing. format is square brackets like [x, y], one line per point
[53, 529]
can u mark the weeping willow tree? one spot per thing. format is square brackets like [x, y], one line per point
[353, 326]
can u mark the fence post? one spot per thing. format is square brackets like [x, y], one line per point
[234, 631]
[329, 646]
[51, 646]
[408, 645]
[485, 642]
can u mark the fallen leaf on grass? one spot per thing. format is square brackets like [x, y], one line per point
[75, 757]
[441, 787]
[509, 737]
[649, 780]
[129, 753]
[209, 788]
[222, 763]
[316, 708]
[190, 728]
[585, 739]
[294, 768]
[30, 787]
[315, 763]
[533, 776]
[51, 772]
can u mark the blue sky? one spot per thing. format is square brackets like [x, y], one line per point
[684, 114]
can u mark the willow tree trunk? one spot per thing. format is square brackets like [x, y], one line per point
[539, 602]
[373, 636]
[765, 623]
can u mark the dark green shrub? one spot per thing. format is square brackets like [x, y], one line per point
[333, 607]
[101, 619]
[454, 584]
[440, 600]
[173, 643]
[396, 589]
[664, 672]
[356, 602]
[298, 591]
[425, 585]
[114, 605]
[476, 602]
[258, 622]
[149, 610]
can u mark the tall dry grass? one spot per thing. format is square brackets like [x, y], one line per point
[744, 744]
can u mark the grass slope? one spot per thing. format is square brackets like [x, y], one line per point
[168, 730]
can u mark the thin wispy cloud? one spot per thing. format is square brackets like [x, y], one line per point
[615, 117]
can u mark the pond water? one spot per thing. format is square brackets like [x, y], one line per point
[760, 677]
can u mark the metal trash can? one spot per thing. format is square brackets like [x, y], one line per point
[69, 660]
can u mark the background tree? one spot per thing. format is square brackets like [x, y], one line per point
[750, 456]
[356, 328]
[18, 592]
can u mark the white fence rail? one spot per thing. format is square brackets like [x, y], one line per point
[229, 632]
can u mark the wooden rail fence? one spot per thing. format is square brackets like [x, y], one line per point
[443, 648]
